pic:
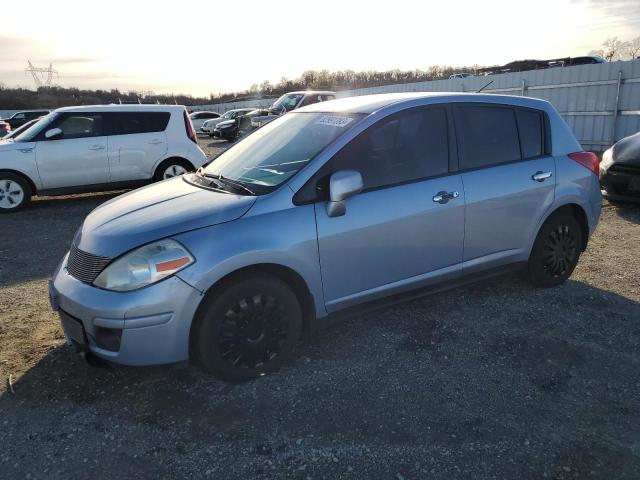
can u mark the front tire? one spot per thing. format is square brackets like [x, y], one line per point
[556, 251]
[248, 328]
[15, 192]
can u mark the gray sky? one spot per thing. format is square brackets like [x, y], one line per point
[199, 49]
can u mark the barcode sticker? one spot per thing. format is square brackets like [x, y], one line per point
[334, 121]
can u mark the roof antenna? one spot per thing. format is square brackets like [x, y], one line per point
[482, 88]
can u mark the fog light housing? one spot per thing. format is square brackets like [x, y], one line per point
[108, 338]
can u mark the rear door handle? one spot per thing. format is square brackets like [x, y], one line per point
[155, 142]
[96, 147]
[541, 176]
[443, 197]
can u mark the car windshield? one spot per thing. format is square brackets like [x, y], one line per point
[276, 152]
[287, 102]
[33, 130]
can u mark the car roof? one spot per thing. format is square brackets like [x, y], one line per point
[123, 108]
[371, 103]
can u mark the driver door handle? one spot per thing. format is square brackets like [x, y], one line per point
[96, 147]
[443, 197]
[541, 176]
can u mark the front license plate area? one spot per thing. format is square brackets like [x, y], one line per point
[73, 329]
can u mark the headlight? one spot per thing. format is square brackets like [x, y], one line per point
[144, 266]
[607, 159]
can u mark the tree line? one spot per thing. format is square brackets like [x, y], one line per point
[55, 97]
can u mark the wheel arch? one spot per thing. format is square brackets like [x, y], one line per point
[167, 159]
[289, 276]
[32, 185]
[576, 211]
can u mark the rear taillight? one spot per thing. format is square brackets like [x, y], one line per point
[587, 159]
[191, 133]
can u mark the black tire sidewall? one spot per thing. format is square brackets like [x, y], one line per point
[537, 274]
[26, 188]
[210, 316]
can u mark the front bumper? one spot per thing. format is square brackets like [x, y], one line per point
[144, 327]
[621, 182]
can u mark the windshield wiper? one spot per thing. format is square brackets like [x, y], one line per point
[233, 183]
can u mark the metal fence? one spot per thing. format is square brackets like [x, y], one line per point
[601, 102]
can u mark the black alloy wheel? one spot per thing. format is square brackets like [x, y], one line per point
[253, 332]
[556, 250]
[560, 251]
[246, 327]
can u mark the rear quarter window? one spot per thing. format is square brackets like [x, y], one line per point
[128, 123]
[530, 129]
[486, 136]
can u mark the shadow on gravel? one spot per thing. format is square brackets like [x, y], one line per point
[35, 239]
[627, 210]
[497, 379]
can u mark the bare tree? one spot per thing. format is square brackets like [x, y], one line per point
[614, 49]
[633, 48]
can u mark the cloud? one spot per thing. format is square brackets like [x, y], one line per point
[70, 60]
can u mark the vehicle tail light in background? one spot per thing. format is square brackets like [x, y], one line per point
[587, 159]
[191, 133]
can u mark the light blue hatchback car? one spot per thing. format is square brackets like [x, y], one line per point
[333, 205]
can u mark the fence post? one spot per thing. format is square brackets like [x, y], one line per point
[522, 88]
[615, 111]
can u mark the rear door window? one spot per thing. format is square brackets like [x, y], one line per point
[405, 147]
[487, 135]
[530, 128]
[128, 123]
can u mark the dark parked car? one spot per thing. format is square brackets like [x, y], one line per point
[620, 169]
[20, 118]
[238, 127]
[5, 128]
[14, 133]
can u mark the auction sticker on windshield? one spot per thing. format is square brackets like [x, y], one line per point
[334, 121]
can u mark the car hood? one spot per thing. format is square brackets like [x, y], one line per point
[627, 150]
[225, 123]
[154, 212]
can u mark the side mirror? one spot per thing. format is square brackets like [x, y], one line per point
[342, 185]
[53, 134]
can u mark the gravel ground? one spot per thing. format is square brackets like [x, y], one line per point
[496, 380]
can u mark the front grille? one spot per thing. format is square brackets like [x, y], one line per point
[631, 169]
[85, 266]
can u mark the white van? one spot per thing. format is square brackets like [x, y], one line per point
[96, 148]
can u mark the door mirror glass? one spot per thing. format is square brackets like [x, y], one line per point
[342, 185]
[53, 134]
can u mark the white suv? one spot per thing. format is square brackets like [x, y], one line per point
[95, 148]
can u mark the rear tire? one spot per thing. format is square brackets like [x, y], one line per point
[15, 192]
[556, 251]
[248, 328]
[172, 167]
